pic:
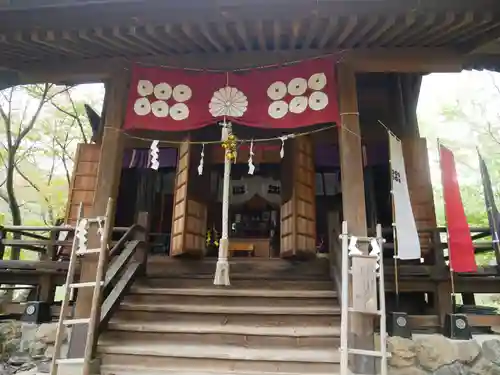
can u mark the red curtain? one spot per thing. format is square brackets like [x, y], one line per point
[460, 247]
[292, 96]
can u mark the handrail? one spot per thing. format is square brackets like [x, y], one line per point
[128, 260]
[128, 234]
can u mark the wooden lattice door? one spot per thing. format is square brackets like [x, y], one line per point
[189, 215]
[298, 212]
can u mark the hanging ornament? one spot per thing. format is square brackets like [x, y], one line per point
[100, 227]
[375, 252]
[251, 166]
[154, 154]
[81, 235]
[229, 142]
[283, 138]
[282, 150]
[202, 157]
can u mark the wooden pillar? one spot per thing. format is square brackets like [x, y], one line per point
[108, 176]
[353, 202]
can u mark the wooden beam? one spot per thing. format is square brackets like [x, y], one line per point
[362, 60]
[353, 200]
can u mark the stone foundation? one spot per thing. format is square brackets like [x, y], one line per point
[437, 355]
[27, 349]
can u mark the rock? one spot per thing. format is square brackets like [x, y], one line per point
[406, 371]
[402, 352]
[455, 368]
[43, 367]
[33, 371]
[27, 366]
[46, 333]
[435, 351]
[468, 351]
[491, 351]
[484, 367]
[19, 359]
[5, 370]
[9, 330]
[49, 352]
[11, 346]
[37, 348]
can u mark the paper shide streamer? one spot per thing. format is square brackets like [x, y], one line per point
[81, 235]
[251, 166]
[375, 251]
[353, 247]
[154, 155]
[202, 157]
[283, 139]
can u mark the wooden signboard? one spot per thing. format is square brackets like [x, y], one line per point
[298, 212]
[83, 181]
[364, 283]
[189, 216]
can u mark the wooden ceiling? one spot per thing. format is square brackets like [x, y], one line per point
[175, 30]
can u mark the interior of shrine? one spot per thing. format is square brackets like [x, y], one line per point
[256, 200]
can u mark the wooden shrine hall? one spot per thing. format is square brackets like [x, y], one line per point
[305, 85]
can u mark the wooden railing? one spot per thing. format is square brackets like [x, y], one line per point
[43, 240]
[49, 270]
[436, 243]
[128, 260]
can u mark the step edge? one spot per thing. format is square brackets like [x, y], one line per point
[220, 309]
[124, 350]
[132, 370]
[325, 331]
[218, 292]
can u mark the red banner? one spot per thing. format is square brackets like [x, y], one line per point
[293, 96]
[460, 247]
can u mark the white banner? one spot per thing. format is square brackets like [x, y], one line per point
[408, 244]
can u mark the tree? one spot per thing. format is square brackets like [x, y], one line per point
[40, 127]
[468, 117]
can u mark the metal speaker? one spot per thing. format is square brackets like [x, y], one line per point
[37, 312]
[456, 326]
[397, 324]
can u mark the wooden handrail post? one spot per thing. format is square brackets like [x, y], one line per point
[47, 289]
[141, 254]
[437, 248]
[3, 234]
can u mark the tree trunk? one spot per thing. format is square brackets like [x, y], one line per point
[13, 205]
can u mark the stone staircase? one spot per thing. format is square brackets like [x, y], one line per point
[177, 322]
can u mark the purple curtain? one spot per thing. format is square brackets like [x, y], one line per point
[328, 155]
[139, 158]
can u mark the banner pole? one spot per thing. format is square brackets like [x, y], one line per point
[450, 266]
[394, 231]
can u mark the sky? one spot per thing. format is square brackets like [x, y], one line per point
[464, 89]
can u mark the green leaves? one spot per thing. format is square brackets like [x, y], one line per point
[40, 127]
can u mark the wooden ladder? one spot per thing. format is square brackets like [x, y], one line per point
[79, 250]
[359, 273]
